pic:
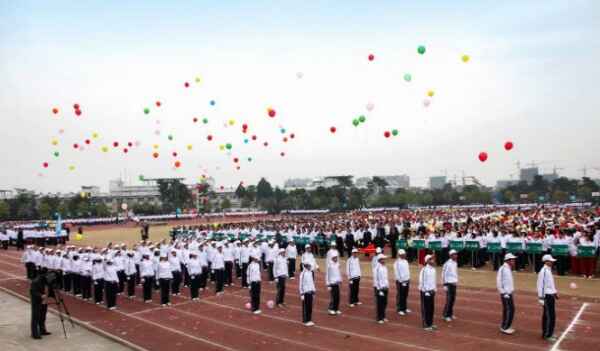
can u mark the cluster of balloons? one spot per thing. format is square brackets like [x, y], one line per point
[360, 119]
[388, 134]
[271, 112]
[77, 109]
[483, 156]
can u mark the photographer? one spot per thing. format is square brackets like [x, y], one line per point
[39, 292]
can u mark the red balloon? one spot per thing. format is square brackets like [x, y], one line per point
[272, 113]
[244, 126]
[371, 57]
[508, 145]
[332, 129]
[285, 140]
[116, 144]
[292, 135]
[254, 137]
[186, 84]
[483, 156]
[222, 187]
[55, 110]
[76, 106]
[387, 134]
[158, 104]
[155, 155]
[177, 164]
[282, 154]
[130, 144]
[266, 144]
[209, 137]
[75, 146]
[235, 159]
[87, 141]
[195, 119]
[125, 150]
[45, 164]
[174, 154]
[238, 168]
[78, 112]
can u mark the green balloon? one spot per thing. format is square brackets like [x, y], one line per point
[355, 122]
[146, 110]
[228, 146]
[249, 159]
[56, 154]
[395, 132]
[141, 177]
[407, 77]
[421, 49]
[205, 120]
[362, 119]
[170, 137]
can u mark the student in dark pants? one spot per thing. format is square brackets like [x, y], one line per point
[39, 307]
[165, 275]
[427, 288]
[98, 279]
[111, 280]
[380, 288]
[547, 295]
[505, 285]
[307, 291]
[334, 280]
[147, 273]
[195, 270]
[254, 279]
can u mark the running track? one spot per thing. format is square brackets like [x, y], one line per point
[222, 323]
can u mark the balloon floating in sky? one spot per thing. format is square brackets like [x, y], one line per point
[235, 160]
[228, 146]
[407, 77]
[146, 110]
[116, 144]
[421, 49]
[371, 57]
[254, 137]
[205, 120]
[249, 159]
[56, 154]
[265, 144]
[174, 154]
[282, 130]
[362, 118]
[45, 164]
[355, 122]
[155, 155]
[170, 137]
[87, 141]
[426, 102]
[212, 103]
[104, 149]
[158, 104]
[195, 119]
[177, 164]
[54, 142]
[394, 132]
[370, 106]
[299, 75]
[245, 141]
[282, 154]
[61, 131]
[465, 58]
[71, 168]
[430, 93]
[55, 110]
[198, 79]
[483, 156]
[75, 146]
[508, 145]
[221, 147]
[271, 112]
[75, 106]
[125, 150]
[332, 130]
[189, 147]
[78, 112]
[141, 178]
[285, 139]
[387, 134]
[94, 135]
[209, 137]
[186, 84]
[231, 122]
[292, 136]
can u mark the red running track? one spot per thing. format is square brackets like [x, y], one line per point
[222, 323]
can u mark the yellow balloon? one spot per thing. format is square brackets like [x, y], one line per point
[78, 237]
[231, 122]
[104, 149]
[71, 168]
[82, 194]
[189, 147]
[198, 79]
[95, 135]
[465, 58]
[155, 146]
[221, 147]
[430, 93]
[54, 142]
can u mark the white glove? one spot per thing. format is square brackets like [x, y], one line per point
[541, 302]
[427, 294]
[350, 282]
[302, 297]
[506, 296]
[381, 293]
[143, 280]
[328, 288]
[445, 288]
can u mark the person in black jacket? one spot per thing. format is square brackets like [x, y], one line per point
[39, 308]
[349, 239]
[339, 242]
[20, 240]
[392, 238]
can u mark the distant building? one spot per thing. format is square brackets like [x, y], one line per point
[503, 184]
[437, 182]
[397, 181]
[550, 177]
[528, 174]
[297, 183]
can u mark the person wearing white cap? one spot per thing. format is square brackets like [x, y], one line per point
[380, 287]
[175, 262]
[130, 273]
[307, 291]
[291, 253]
[547, 295]
[228, 259]
[427, 287]
[194, 269]
[506, 287]
[333, 279]
[308, 257]
[254, 279]
[147, 274]
[280, 270]
[402, 275]
[270, 254]
[331, 252]
[111, 280]
[218, 266]
[244, 262]
[354, 274]
[449, 280]
[374, 260]
[164, 276]
[98, 280]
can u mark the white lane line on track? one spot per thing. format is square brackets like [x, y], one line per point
[571, 325]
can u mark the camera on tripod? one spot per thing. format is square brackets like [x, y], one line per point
[51, 280]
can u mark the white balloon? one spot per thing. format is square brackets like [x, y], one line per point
[124, 207]
[299, 75]
[426, 102]
[370, 106]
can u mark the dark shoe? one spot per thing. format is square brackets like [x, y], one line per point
[36, 337]
[46, 333]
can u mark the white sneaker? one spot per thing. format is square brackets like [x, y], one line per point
[428, 329]
[351, 305]
[453, 317]
[508, 331]
[386, 320]
[292, 278]
[309, 324]
[448, 319]
[359, 303]
[331, 312]
[408, 311]
[338, 312]
[380, 321]
[401, 313]
[257, 312]
[112, 308]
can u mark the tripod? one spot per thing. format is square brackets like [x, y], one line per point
[60, 305]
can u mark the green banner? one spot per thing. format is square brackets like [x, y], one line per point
[260, 236]
[435, 245]
[494, 247]
[586, 251]
[418, 244]
[534, 248]
[514, 247]
[560, 250]
[457, 245]
[401, 244]
[472, 245]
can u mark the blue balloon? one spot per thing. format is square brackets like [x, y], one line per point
[212, 103]
[282, 130]
[245, 141]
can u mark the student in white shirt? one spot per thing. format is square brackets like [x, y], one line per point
[381, 287]
[98, 279]
[291, 253]
[427, 287]
[130, 274]
[147, 273]
[333, 279]
[194, 269]
[449, 280]
[505, 285]
[164, 276]
[111, 281]
[280, 270]
[402, 276]
[307, 291]
[254, 279]
[547, 295]
[354, 274]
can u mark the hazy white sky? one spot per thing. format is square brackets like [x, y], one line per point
[532, 79]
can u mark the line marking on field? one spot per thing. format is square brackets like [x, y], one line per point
[571, 325]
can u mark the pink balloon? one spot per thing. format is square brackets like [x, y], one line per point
[270, 304]
[247, 305]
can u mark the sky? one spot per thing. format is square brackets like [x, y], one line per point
[531, 79]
